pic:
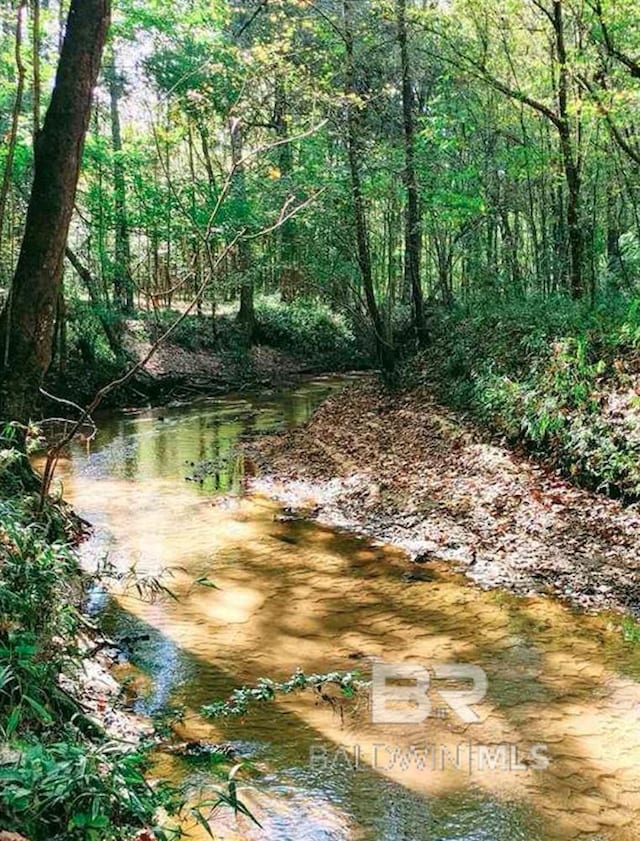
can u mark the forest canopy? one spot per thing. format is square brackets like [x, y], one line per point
[382, 158]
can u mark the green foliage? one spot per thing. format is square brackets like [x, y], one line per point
[89, 363]
[60, 778]
[630, 630]
[192, 333]
[64, 781]
[550, 374]
[73, 790]
[306, 329]
[13, 463]
[36, 576]
[310, 330]
[239, 701]
[38, 590]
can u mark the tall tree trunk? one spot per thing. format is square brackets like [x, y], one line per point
[510, 242]
[354, 133]
[570, 158]
[246, 313]
[35, 12]
[288, 276]
[26, 329]
[413, 226]
[615, 262]
[122, 282]
[206, 156]
[195, 261]
[15, 117]
[61, 24]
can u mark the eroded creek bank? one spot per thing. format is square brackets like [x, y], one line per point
[295, 593]
[405, 470]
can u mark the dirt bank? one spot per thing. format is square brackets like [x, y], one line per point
[175, 371]
[406, 471]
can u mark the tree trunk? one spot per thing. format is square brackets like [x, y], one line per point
[15, 117]
[111, 331]
[354, 132]
[615, 262]
[206, 155]
[35, 11]
[413, 226]
[26, 329]
[288, 280]
[570, 159]
[246, 313]
[195, 261]
[122, 282]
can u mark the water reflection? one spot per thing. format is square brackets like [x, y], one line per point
[296, 594]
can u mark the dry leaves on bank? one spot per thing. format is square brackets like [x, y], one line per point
[406, 471]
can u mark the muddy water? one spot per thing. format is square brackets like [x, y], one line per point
[294, 594]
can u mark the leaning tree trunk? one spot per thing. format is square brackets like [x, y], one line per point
[26, 330]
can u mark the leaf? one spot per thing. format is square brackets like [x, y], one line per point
[13, 721]
[37, 707]
[203, 581]
[200, 818]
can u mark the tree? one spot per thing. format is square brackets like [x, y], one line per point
[246, 312]
[15, 114]
[354, 154]
[28, 318]
[122, 281]
[413, 229]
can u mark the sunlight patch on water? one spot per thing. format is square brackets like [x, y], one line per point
[296, 594]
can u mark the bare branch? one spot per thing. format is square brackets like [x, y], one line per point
[284, 216]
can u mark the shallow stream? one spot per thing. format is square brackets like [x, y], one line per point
[165, 491]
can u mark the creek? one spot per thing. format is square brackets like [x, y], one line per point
[166, 492]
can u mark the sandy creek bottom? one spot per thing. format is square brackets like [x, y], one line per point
[295, 594]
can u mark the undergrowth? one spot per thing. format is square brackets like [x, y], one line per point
[313, 332]
[561, 377]
[306, 329]
[61, 775]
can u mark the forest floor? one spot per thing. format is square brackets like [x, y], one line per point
[408, 472]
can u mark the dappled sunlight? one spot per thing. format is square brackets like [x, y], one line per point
[291, 594]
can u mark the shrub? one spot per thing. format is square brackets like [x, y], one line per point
[192, 333]
[60, 777]
[542, 372]
[72, 790]
[311, 331]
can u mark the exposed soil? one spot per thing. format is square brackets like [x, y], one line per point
[174, 371]
[101, 696]
[406, 471]
[175, 362]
